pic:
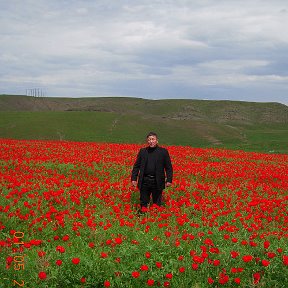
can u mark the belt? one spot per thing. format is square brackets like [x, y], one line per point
[150, 176]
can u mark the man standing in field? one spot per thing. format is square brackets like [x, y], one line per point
[152, 171]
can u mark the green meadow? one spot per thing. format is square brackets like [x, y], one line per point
[247, 126]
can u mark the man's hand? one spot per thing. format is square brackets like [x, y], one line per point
[134, 183]
[168, 184]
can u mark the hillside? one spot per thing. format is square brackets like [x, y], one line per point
[230, 124]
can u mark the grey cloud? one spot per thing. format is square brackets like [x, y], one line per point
[146, 48]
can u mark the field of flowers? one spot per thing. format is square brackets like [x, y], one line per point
[69, 218]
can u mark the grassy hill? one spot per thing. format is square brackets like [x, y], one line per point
[230, 124]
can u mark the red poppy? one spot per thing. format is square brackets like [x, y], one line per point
[182, 269]
[265, 262]
[42, 275]
[144, 268]
[285, 259]
[83, 280]
[210, 280]
[59, 262]
[61, 249]
[237, 280]
[75, 261]
[158, 264]
[194, 266]
[169, 275]
[150, 282]
[247, 258]
[135, 274]
[148, 255]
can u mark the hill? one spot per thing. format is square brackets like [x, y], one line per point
[200, 123]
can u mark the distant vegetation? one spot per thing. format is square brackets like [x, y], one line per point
[247, 126]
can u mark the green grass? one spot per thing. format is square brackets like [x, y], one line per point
[116, 127]
[223, 124]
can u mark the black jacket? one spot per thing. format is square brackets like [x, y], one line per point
[163, 166]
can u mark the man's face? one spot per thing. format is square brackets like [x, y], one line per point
[152, 141]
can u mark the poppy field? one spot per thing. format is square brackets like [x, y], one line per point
[70, 218]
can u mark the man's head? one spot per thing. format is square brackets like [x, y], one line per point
[152, 139]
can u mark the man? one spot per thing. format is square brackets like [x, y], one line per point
[152, 171]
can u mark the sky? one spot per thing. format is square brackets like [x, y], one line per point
[153, 49]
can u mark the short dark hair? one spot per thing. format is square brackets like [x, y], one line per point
[152, 134]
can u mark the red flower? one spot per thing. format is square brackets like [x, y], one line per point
[256, 277]
[65, 238]
[265, 263]
[182, 269]
[91, 245]
[247, 258]
[103, 255]
[41, 253]
[194, 266]
[118, 240]
[144, 268]
[158, 264]
[75, 261]
[150, 282]
[83, 280]
[42, 275]
[148, 255]
[266, 244]
[216, 262]
[210, 280]
[237, 280]
[285, 260]
[107, 283]
[59, 262]
[135, 274]
[61, 249]
[166, 284]
[223, 279]
[169, 275]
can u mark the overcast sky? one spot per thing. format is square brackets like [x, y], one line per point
[198, 49]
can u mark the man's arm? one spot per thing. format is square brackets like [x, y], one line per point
[135, 170]
[168, 169]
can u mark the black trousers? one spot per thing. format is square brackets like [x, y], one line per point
[149, 187]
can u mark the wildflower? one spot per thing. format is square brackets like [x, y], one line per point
[91, 245]
[266, 244]
[75, 261]
[107, 283]
[135, 274]
[42, 275]
[58, 262]
[150, 282]
[41, 253]
[265, 263]
[144, 268]
[158, 264]
[169, 275]
[256, 277]
[61, 249]
[194, 266]
[182, 269]
[247, 258]
[148, 255]
[65, 238]
[285, 260]
[210, 280]
[237, 280]
[83, 280]
[271, 255]
[103, 255]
